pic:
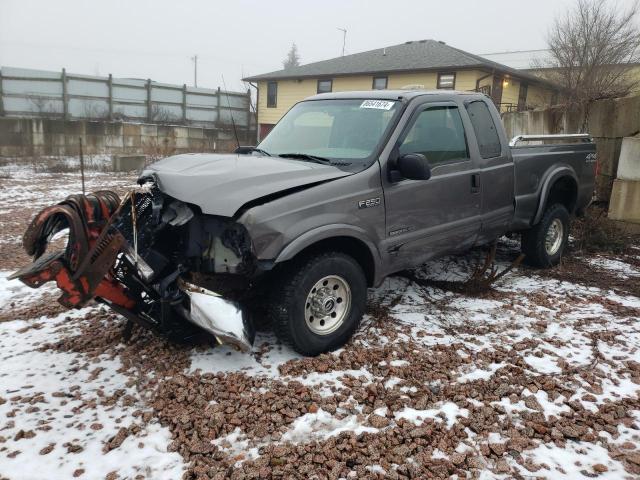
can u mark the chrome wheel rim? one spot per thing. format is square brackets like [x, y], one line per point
[554, 236]
[328, 304]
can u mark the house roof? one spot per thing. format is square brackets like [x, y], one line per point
[406, 57]
[528, 59]
[520, 59]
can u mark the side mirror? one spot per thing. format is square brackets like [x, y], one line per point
[414, 166]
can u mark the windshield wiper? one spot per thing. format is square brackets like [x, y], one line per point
[245, 150]
[306, 156]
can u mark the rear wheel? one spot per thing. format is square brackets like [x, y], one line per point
[319, 302]
[544, 244]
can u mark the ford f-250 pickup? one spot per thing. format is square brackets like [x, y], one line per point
[346, 189]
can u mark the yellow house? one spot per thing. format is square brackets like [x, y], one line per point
[428, 64]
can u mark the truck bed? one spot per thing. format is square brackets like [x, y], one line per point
[538, 166]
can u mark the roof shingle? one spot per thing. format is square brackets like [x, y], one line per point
[408, 56]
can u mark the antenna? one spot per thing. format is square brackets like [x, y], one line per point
[344, 38]
[233, 123]
[194, 59]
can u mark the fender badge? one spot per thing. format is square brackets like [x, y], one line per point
[371, 202]
[399, 231]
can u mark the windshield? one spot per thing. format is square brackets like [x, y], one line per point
[340, 130]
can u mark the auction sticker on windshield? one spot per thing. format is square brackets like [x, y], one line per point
[379, 104]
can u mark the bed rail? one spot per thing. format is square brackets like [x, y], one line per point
[584, 137]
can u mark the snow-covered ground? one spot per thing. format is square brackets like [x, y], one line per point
[539, 377]
[59, 410]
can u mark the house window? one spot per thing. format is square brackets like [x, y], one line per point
[325, 86]
[272, 94]
[380, 83]
[447, 81]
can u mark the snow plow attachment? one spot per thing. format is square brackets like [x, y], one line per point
[108, 257]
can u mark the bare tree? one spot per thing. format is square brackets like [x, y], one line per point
[160, 114]
[95, 110]
[591, 48]
[44, 105]
[293, 58]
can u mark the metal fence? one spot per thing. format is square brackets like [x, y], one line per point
[39, 93]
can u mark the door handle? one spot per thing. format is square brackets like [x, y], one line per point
[475, 183]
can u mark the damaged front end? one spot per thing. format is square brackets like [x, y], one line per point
[151, 258]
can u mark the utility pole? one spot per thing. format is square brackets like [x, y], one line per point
[344, 38]
[195, 70]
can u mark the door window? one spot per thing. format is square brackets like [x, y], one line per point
[438, 134]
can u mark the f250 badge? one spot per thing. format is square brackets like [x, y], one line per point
[591, 158]
[371, 202]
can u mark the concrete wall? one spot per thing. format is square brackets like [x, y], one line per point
[625, 195]
[608, 121]
[20, 137]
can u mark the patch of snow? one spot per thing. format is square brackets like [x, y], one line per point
[438, 454]
[398, 363]
[321, 425]
[224, 359]
[571, 460]
[376, 469]
[65, 381]
[14, 292]
[481, 374]
[392, 382]
[545, 364]
[618, 267]
[236, 444]
[449, 410]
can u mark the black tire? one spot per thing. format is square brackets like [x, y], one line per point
[534, 244]
[288, 302]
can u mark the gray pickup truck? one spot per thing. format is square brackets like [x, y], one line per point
[346, 189]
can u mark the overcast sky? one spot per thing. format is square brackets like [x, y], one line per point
[156, 39]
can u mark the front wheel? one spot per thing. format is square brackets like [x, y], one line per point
[319, 302]
[544, 244]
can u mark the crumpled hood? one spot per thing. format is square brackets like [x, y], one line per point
[221, 183]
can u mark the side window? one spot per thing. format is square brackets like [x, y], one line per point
[485, 129]
[272, 94]
[438, 134]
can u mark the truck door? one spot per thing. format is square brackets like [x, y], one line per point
[425, 218]
[496, 169]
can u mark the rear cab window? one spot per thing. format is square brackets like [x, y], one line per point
[485, 129]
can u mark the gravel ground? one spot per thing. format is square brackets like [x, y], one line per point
[538, 377]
